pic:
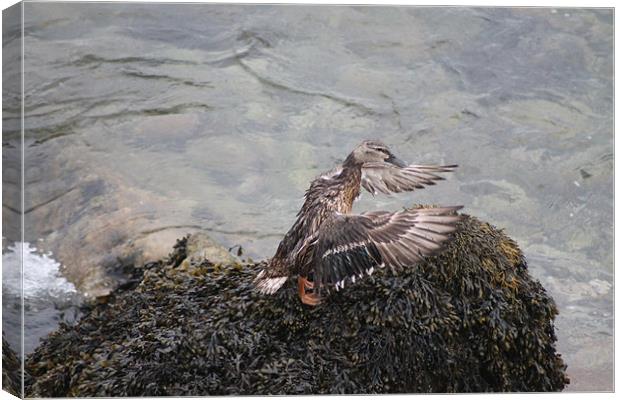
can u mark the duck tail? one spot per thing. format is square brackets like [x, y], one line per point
[268, 281]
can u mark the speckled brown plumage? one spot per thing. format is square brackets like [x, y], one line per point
[332, 246]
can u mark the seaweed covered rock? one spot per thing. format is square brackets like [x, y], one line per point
[11, 370]
[470, 319]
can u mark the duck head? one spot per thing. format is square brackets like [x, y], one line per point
[373, 151]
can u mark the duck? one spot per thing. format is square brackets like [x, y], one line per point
[328, 246]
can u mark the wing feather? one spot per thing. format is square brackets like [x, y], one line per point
[351, 246]
[384, 177]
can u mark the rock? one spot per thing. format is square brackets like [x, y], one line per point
[470, 319]
[200, 247]
[11, 370]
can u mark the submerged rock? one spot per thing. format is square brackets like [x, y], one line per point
[470, 319]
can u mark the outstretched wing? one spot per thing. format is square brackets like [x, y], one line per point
[352, 246]
[389, 178]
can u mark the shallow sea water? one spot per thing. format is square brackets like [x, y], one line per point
[144, 122]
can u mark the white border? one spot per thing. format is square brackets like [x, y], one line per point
[484, 3]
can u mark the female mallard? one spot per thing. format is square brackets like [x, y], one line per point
[333, 245]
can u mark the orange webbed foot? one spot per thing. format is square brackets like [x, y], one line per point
[308, 284]
[311, 299]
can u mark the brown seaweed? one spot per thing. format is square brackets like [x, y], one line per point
[470, 319]
[11, 370]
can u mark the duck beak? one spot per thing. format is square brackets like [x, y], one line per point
[392, 159]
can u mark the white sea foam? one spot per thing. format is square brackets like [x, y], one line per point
[48, 297]
[41, 274]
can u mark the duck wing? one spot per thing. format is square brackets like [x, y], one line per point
[352, 246]
[388, 178]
